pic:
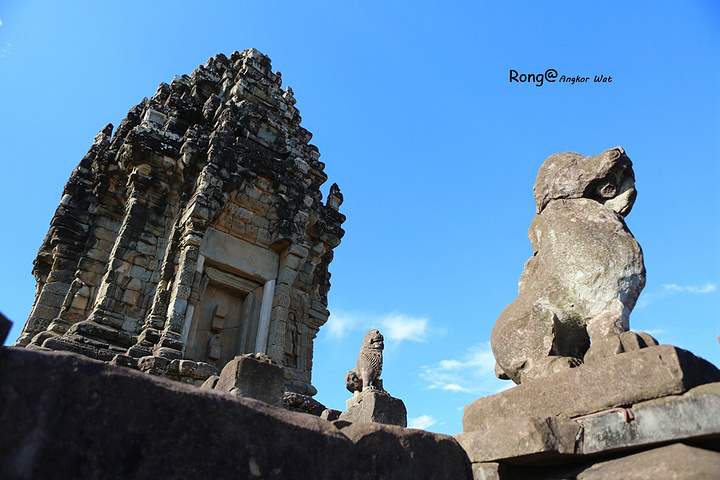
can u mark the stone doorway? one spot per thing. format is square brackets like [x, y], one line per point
[225, 322]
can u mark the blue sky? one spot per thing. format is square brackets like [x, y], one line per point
[434, 149]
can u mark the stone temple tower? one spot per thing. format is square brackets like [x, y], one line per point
[195, 233]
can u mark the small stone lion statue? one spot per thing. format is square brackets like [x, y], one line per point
[369, 365]
[586, 272]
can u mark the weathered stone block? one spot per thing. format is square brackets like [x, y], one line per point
[297, 402]
[519, 440]
[604, 347]
[154, 365]
[254, 376]
[210, 382]
[240, 256]
[58, 288]
[375, 406]
[125, 361]
[205, 370]
[694, 415]
[391, 452]
[674, 461]
[487, 471]
[620, 380]
[61, 343]
[168, 353]
[330, 414]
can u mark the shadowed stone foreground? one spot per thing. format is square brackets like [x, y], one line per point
[67, 416]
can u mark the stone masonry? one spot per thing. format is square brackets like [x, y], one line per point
[195, 233]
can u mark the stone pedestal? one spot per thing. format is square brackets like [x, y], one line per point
[620, 380]
[616, 410]
[254, 376]
[375, 406]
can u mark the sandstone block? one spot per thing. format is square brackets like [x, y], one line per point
[615, 344]
[204, 371]
[692, 416]
[254, 376]
[620, 380]
[487, 471]
[210, 382]
[604, 347]
[673, 461]
[297, 402]
[239, 256]
[330, 414]
[391, 452]
[153, 365]
[125, 361]
[376, 406]
[61, 343]
[520, 440]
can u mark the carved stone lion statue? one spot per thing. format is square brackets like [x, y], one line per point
[369, 365]
[586, 272]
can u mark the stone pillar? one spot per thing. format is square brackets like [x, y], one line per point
[123, 294]
[171, 344]
[265, 311]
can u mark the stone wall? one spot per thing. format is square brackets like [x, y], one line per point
[66, 416]
[194, 233]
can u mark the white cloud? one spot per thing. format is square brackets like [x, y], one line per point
[472, 373]
[707, 288]
[6, 50]
[655, 331]
[398, 327]
[422, 422]
[671, 289]
[395, 327]
[339, 324]
[453, 387]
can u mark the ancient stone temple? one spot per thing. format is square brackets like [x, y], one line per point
[195, 233]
